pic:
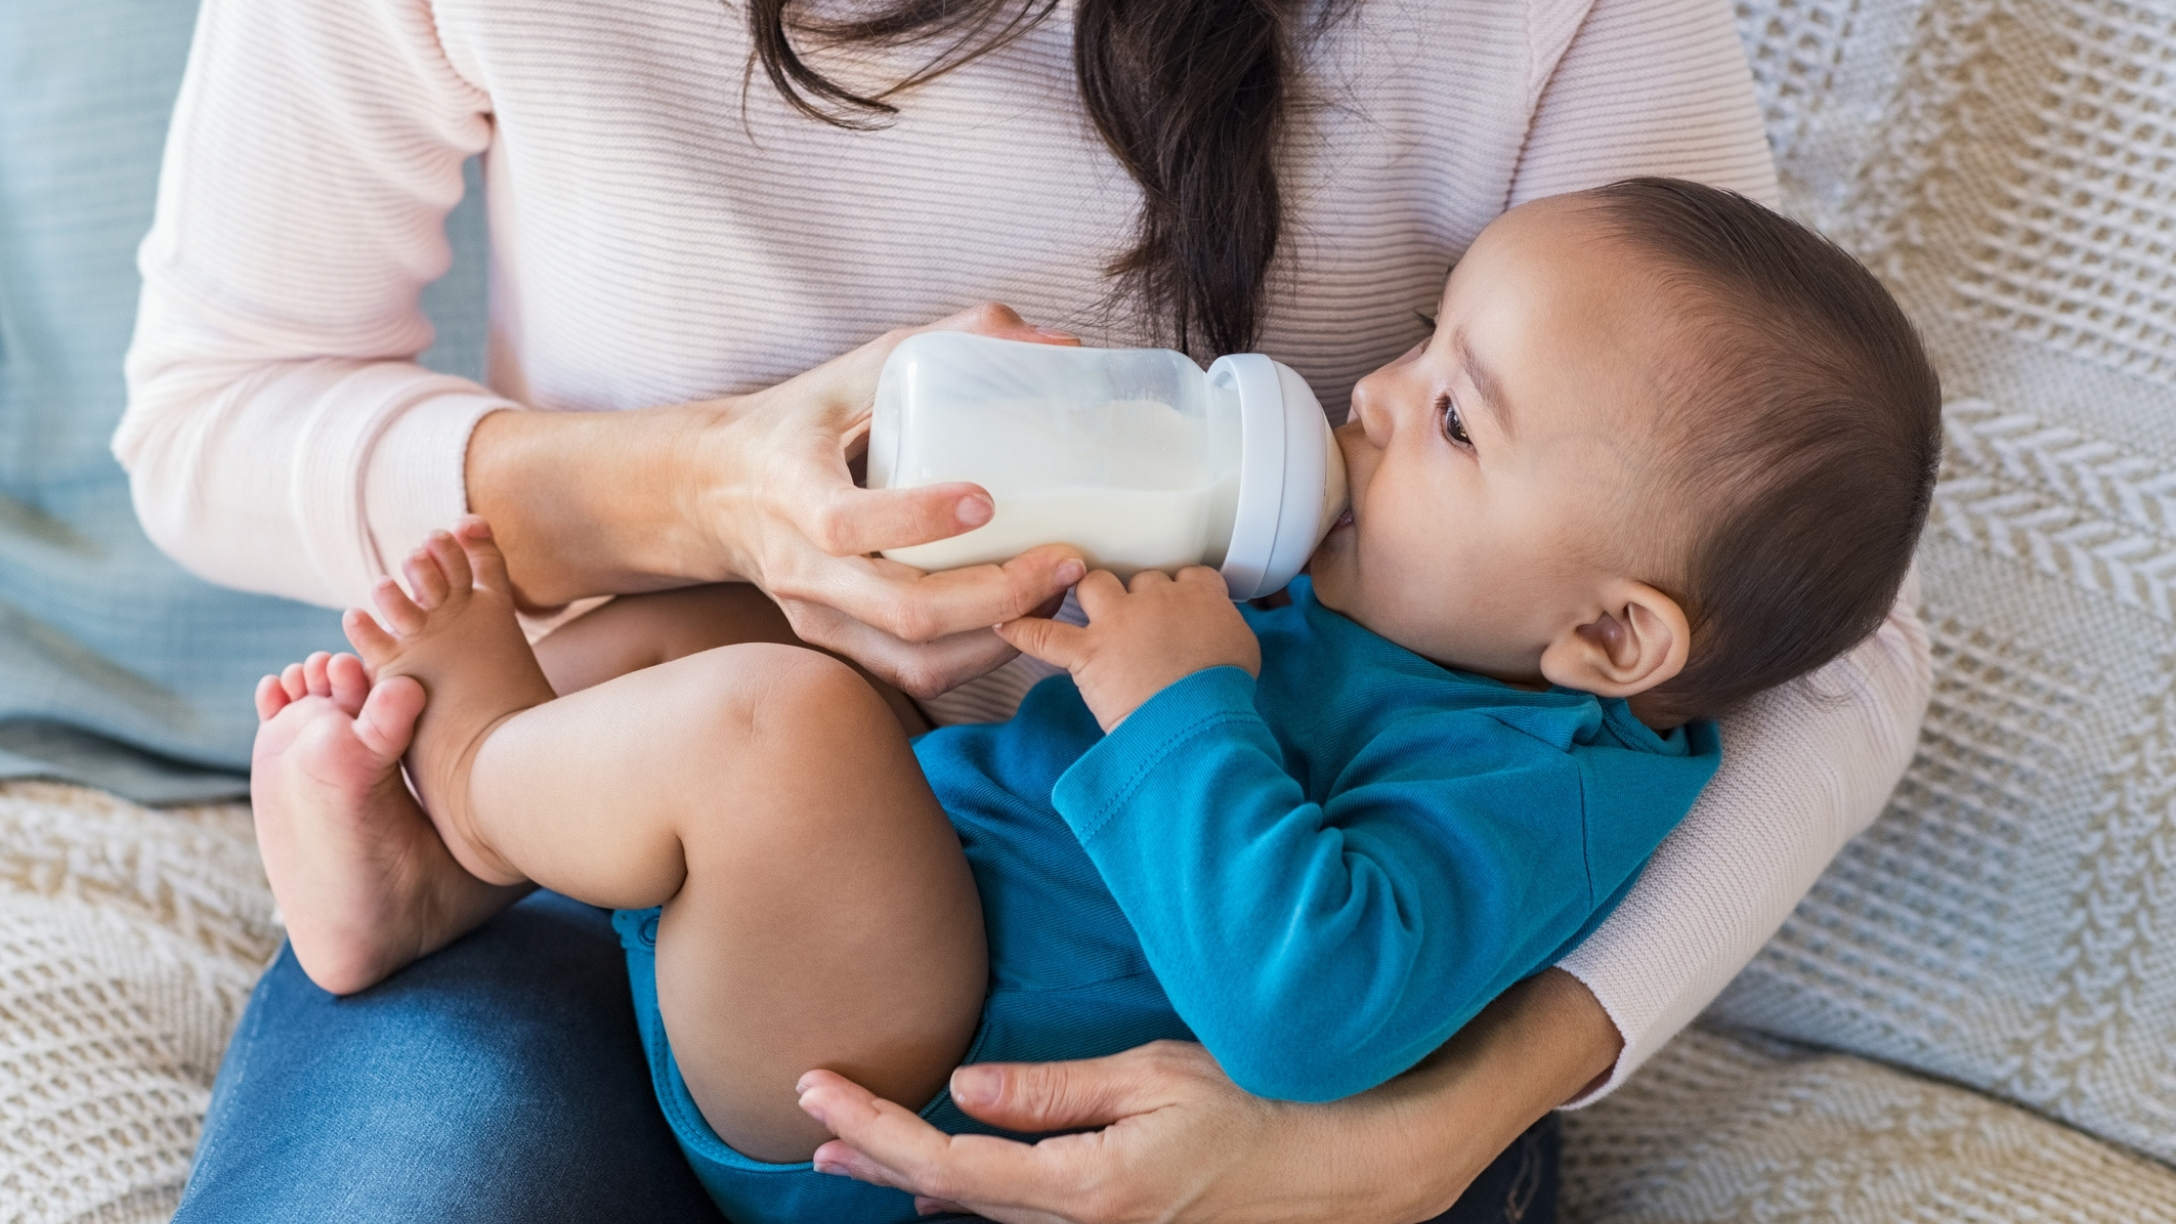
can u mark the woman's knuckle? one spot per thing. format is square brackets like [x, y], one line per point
[826, 529]
[1106, 1202]
[915, 622]
[921, 681]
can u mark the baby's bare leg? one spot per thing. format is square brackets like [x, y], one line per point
[638, 631]
[818, 911]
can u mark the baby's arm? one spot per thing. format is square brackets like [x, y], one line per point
[1315, 949]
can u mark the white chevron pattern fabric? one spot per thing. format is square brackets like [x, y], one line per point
[2009, 925]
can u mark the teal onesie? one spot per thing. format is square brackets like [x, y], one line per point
[1319, 873]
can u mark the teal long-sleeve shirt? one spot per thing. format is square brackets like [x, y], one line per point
[1332, 867]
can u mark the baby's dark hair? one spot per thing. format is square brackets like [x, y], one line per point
[1805, 431]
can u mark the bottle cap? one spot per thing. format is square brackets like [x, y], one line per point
[1285, 454]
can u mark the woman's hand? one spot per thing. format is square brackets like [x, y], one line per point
[1180, 1144]
[757, 488]
[1140, 641]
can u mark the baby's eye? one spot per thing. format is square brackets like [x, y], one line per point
[1454, 426]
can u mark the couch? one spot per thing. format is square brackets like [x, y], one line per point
[1973, 1015]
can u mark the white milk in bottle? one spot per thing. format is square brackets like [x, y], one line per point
[1133, 456]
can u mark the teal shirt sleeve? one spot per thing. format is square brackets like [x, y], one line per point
[1319, 949]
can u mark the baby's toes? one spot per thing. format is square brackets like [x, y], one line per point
[425, 578]
[313, 675]
[454, 560]
[295, 682]
[350, 683]
[271, 698]
[399, 612]
[484, 557]
[388, 718]
[369, 638]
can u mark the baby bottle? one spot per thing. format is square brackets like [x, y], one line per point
[1134, 456]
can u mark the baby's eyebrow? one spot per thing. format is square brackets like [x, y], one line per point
[1492, 395]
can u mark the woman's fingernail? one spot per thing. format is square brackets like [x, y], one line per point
[973, 511]
[1055, 334]
[976, 1085]
[1070, 572]
[835, 1170]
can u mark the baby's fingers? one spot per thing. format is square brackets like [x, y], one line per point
[1054, 642]
[1099, 593]
[1204, 577]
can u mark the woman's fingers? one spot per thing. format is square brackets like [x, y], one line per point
[1003, 322]
[918, 669]
[917, 607]
[846, 521]
[1070, 1095]
[886, 1144]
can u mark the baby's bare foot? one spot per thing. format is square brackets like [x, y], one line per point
[363, 881]
[456, 636]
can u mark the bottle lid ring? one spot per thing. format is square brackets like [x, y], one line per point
[1284, 443]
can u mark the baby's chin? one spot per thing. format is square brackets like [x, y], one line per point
[1330, 569]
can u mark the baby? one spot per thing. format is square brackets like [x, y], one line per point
[1663, 450]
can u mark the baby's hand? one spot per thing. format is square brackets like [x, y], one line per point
[1139, 642]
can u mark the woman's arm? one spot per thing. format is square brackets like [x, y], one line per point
[281, 438]
[1179, 1142]
[757, 488]
[1805, 768]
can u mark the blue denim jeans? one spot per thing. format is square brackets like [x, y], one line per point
[502, 1080]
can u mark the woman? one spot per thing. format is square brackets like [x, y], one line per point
[691, 200]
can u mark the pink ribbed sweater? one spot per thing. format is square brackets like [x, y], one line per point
[660, 233]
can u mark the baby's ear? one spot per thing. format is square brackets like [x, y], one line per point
[1636, 638]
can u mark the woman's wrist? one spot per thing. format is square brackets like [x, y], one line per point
[1538, 1045]
[595, 503]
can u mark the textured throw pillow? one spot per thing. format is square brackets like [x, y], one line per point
[2010, 923]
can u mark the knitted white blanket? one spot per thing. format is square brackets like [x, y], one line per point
[129, 940]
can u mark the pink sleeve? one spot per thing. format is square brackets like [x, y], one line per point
[1631, 87]
[279, 435]
[1806, 768]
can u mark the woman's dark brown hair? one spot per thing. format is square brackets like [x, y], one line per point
[1189, 94]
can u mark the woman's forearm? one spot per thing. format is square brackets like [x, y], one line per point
[594, 503]
[1540, 1044]
[1805, 768]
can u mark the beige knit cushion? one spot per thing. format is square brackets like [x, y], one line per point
[129, 940]
[2009, 167]
[1720, 1128]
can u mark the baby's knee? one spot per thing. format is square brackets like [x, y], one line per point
[788, 694]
